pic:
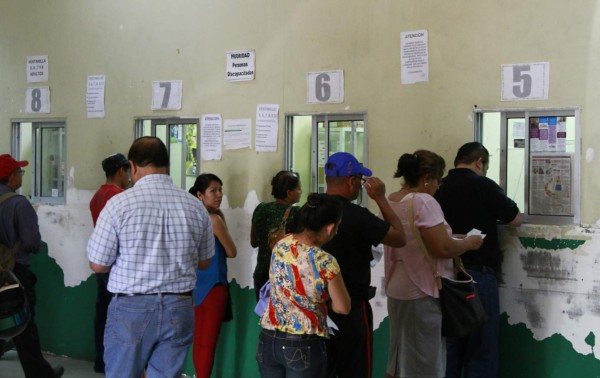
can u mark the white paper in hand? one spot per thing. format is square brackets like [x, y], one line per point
[476, 232]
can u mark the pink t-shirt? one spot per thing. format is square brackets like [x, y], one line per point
[408, 274]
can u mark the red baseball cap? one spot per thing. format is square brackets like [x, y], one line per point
[8, 165]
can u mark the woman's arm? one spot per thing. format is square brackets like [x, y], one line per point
[221, 232]
[253, 238]
[441, 245]
[340, 299]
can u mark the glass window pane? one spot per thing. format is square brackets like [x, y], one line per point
[50, 155]
[490, 133]
[322, 156]
[515, 161]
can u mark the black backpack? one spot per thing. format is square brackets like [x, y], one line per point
[14, 309]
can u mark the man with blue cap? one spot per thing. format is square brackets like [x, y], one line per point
[351, 346]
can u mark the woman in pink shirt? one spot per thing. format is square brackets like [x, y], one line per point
[416, 346]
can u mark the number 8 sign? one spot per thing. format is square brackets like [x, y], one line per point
[526, 81]
[37, 100]
[325, 87]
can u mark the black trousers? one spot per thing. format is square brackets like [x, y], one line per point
[350, 349]
[28, 342]
[103, 297]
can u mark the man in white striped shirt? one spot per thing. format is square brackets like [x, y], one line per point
[151, 238]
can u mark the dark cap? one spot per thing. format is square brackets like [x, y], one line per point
[115, 161]
[342, 164]
[8, 165]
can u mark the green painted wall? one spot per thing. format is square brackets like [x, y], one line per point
[65, 319]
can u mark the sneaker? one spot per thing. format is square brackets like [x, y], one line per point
[99, 367]
[5, 346]
[58, 371]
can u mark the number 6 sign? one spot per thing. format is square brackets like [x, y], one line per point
[526, 81]
[325, 87]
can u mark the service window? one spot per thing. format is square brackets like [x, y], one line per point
[534, 157]
[42, 143]
[181, 138]
[311, 139]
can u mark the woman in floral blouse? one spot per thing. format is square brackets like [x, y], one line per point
[304, 278]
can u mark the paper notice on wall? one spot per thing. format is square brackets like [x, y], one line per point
[95, 96]
[550, 182]
[37, 69]
[267, 126]
[210, 137]
[236, 133]
[414, 56]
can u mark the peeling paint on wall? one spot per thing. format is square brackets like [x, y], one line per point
[550, 282]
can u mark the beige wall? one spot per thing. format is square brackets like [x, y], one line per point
[134, 42]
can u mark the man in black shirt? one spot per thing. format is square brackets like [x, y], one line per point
[351, 346]
[471, 200]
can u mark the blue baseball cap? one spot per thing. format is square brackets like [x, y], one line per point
[343, 164]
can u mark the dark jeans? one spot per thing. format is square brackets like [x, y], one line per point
[350, 349]
[283, 355]
[103, 297]
[476, 355]
[28, 342]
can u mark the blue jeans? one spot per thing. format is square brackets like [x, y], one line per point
[152, 332]
[476, 355]
[281, 354]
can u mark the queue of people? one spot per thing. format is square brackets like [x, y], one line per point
[161, 267]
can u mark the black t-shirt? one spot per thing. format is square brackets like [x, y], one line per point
[472, 201]
[358, 231]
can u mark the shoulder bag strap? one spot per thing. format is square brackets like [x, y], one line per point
[417, 234]
[285, 216]
[3, 198]
[6, 196]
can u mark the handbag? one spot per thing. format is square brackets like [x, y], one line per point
[14, 308]
[462, 310]
[278, 233]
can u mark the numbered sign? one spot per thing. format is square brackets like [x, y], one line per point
[37, 100]
[527, 81]
[166, 95]
[325, 87]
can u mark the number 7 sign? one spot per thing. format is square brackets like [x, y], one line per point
[526, 81]
[166, 95]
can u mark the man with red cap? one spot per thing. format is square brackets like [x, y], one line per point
[116, 170]
[19, 231]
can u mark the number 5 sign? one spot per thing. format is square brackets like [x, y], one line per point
[526, 81]
[325, 87]
[166, 95]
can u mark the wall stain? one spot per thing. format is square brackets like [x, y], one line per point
[527, 299]
[543, 264]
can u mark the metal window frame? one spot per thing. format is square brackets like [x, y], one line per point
[325, 118]
[526, 114]
[37, 124]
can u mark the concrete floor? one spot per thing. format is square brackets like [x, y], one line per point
[11, 368]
